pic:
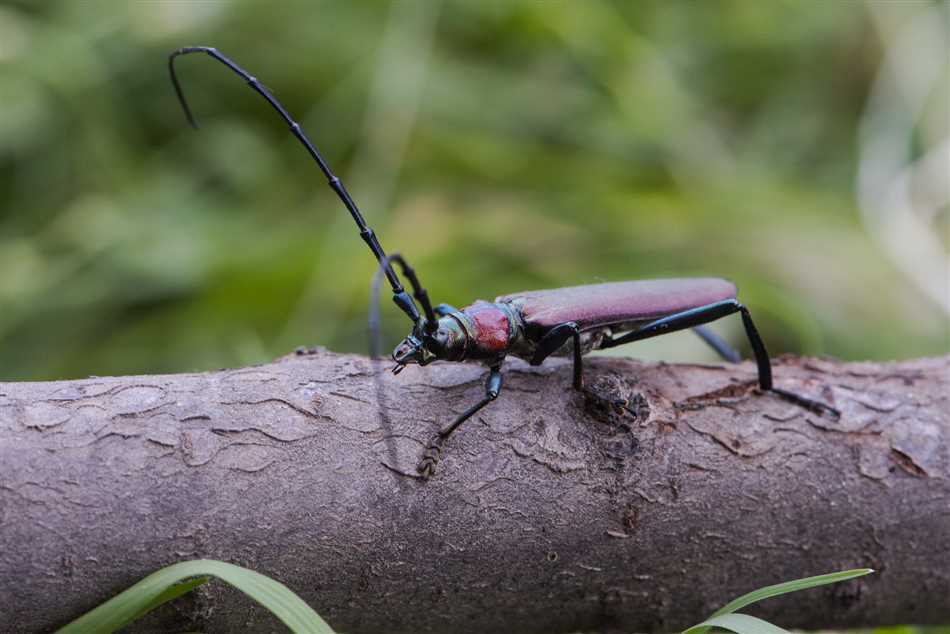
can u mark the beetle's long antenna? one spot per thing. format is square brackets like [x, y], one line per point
[400, 297]
[418, 291]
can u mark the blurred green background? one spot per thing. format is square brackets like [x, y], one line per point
[499, 146]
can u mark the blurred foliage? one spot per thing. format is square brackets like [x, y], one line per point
[499, 146]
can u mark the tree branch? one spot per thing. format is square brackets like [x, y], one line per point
[546, 514]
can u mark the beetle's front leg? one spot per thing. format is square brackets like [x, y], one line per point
[430, 457]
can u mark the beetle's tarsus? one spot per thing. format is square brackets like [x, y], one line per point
[430, 457]
[811, 405]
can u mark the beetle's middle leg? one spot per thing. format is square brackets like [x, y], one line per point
[711, 312]
[552, 341]
[430, 457]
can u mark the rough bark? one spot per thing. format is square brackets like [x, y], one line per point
[547, 515]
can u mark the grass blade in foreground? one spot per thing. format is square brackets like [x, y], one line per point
[739, 623]
[790, 586]
[774, 591]
[166, 584]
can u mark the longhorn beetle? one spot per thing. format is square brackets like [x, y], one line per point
[531, 325]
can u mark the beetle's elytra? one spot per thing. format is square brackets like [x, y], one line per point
[532, 325]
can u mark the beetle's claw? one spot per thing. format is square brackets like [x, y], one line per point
[399, 367]
[430, 457]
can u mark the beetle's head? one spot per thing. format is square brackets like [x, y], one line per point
[447, 341]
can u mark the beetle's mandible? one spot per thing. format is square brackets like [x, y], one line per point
[536, 324]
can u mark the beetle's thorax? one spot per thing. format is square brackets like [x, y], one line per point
[484, 332]
[491, 330]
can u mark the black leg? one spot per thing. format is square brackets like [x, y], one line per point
[677, 321]
[765, 371]
[711, 312]
[557, 337]
[430, 457]
[552, 341]
[717, 343]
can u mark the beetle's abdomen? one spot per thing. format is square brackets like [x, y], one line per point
[617, 302]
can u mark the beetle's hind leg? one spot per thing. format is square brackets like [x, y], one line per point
[711, 312]
[765, 370]
[718, 344]
[433, 450]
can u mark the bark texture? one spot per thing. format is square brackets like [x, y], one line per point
[547, 513]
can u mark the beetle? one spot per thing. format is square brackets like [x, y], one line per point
[532, 325]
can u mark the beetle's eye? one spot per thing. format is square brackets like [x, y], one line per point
[434, 342]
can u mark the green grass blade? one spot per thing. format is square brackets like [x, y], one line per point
[170, 593]
[790, 586]
[166, 584]
[738, 623]
[779, 589]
